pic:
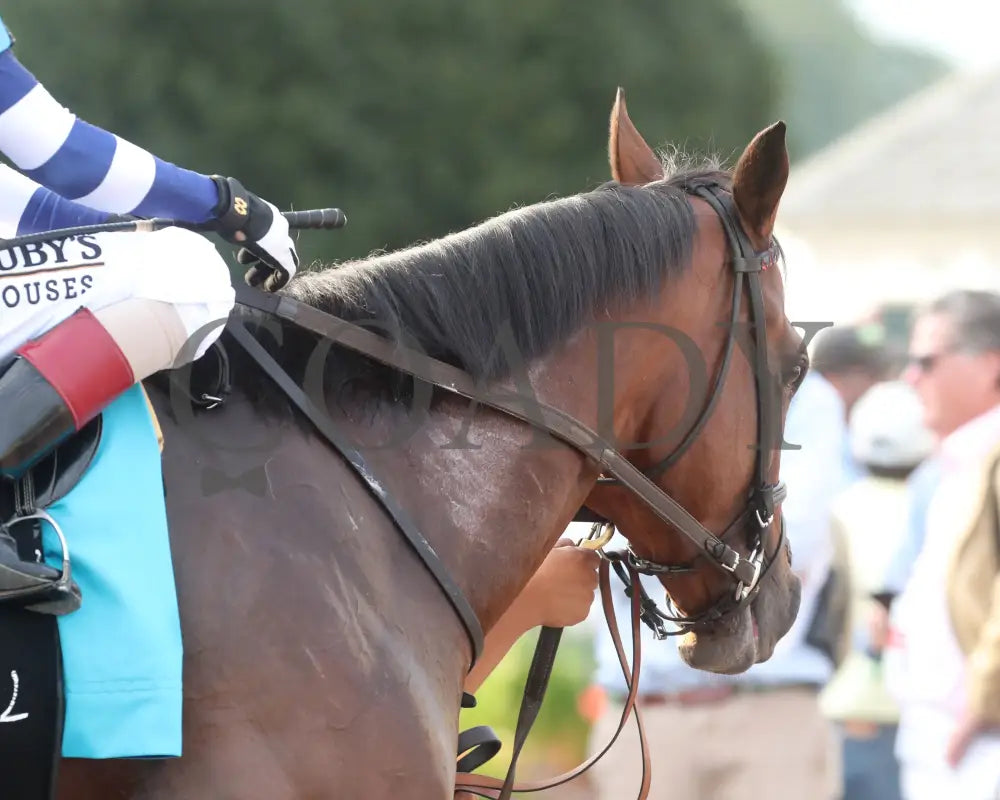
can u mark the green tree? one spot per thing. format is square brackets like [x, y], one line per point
[417, 118]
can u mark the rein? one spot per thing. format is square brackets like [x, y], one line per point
[541, 665]
[528, 409]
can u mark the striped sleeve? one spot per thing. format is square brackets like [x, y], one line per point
[26, 207]
[86, 164]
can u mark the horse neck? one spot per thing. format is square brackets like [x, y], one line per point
[491, 493]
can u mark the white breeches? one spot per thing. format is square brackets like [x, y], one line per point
[158, 294]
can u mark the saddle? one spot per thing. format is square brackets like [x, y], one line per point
[23, 500]
[52, 477]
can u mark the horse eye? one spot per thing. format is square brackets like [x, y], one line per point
[797, 373]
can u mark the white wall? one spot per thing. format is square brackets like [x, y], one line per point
[841, 273]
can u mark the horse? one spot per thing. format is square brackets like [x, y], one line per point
[321, 658]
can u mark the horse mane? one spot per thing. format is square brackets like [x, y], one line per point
[535, 275]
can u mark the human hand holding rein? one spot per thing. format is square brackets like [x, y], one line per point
[561, 592]
[558, 595]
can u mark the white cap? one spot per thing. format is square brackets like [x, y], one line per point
[887, 428]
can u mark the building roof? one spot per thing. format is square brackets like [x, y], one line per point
[933, 156]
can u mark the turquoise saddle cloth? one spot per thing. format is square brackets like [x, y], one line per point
[122, 649]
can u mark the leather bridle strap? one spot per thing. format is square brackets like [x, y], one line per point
[528, 409]
[495, 789]
[749, 263]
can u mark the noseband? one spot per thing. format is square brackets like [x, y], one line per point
[758, 515]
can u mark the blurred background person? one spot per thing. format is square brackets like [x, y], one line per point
[853, 358]
[943, 651]
[888, 440]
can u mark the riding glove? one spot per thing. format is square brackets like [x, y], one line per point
[268, 248]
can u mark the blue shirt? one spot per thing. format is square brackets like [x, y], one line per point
[920, 485]
[814, 475]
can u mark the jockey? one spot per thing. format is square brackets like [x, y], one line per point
[84, 318]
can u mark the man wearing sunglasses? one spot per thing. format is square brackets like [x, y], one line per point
[943, 653]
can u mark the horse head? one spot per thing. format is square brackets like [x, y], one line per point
[704, 418]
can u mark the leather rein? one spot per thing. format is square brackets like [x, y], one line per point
[746, 571]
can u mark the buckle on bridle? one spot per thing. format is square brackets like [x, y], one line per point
[734, 560]
[764, 523]
[743, 590]
[641, 564]
[210, 401]
[764, 510]
[655, 624]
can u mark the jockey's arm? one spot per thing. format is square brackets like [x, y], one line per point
[80, 162]
[27, 207]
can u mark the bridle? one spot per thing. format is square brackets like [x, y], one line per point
[756, 518]
[747, 572]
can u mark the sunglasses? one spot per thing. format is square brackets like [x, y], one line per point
[925, 363]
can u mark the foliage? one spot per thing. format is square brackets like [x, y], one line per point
[558, 740]
[417, 118]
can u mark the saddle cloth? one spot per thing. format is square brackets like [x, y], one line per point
[122, 650]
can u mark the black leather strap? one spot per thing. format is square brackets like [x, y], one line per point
[479, 745]
[585, 514]
[531, 702]
[750, 263]
[403, 520]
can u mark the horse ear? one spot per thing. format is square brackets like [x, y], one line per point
[633, 162]
[759, 181]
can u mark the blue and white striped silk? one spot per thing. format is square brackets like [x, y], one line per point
[83, 163]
